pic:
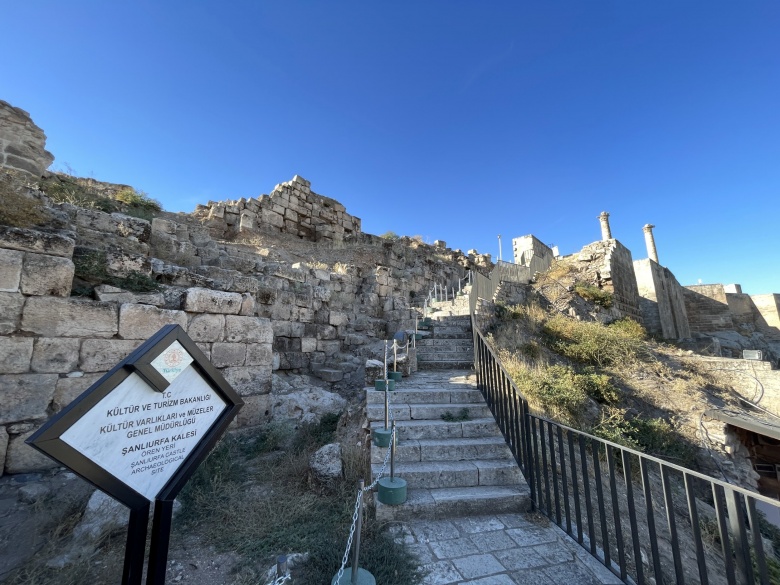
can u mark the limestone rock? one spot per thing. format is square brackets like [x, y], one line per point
[21, 458]
[202, 300]
[10, 312]
[108, 293]
[68, 389]
[56, 317]
[307, 404]
[103, 515]
[325, 463]
[10, 270]
[55, 355]
[100, 355]
[228, 354]
[248, 329]
[24, 142]
[256, 411]
[249, 380]
[25, 396]
[28, 240]
[143, 321]
[46, 275]
[206, 327]
[15, 354]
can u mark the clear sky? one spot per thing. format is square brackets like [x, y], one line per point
[454, 120]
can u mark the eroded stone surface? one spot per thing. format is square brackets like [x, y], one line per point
[143, 321]
[56, 317]
[25, 396]
[46, 275]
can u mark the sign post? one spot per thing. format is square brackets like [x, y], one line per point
[140, 432]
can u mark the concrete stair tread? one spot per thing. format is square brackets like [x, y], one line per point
[449, 502]
[426, 411]
[421, 429]
[450, 466]
[440, 474]
[426, 395]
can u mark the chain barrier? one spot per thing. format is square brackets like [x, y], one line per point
[280, 580]
[358, 502]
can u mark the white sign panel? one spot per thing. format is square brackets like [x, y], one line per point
[142, 436]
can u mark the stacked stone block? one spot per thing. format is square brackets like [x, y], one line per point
[291, 208]
[22, 143]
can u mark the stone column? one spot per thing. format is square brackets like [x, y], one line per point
[606, 233]
[652, 253]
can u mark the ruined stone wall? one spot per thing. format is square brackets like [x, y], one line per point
[610, 266]
[767, 308]
[707, 308]
[288, 337]
[756, 381]
[22, 143]
[661, 300]
[530, 251]
[291, 208]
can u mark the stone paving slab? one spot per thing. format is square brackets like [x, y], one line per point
[501, 549]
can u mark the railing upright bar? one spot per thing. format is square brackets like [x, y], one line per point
[650, 513]
[586, 495]
[543, 449]
[514, 424]
[527, 437]
[693, 514]
[720, 514]
[616, 512]
[594, 449]
[738, 530]
[537, 471]
[554, 468]
[575, 486]
[640, 578]
[671, 522]
[758, 543]
[564, 480]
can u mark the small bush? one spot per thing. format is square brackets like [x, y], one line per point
[461, 416]
[599, 387]
[92, 268]
[594, 294]
[390, 235]
[593, 343]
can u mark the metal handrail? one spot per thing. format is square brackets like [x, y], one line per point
[641, 507]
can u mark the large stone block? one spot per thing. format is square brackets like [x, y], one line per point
[10, 312]
[259, 354]
[35, 241]
[57, 317]
[15, 354]
[3, 448]
[256, 411]
[21, 458]
[204, 300]
[109, 293]
[100, 355]
[70, 388]
[248, 330]
[55, 355]
[336, 318]
[143, 321]
[46, 275]
[228, 354]
[206, 327]
[249, 380]
[10, 270]
[25, 396]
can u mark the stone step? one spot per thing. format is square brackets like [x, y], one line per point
[451, 343]
[441, 429]
[425, 396]
[445, 356]
[441, 332]
[469, 449]
[445, 365]
[440, 474]
[426, 411]
[449, 502]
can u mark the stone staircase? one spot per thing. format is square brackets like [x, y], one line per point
[448, 344]
[452, 467]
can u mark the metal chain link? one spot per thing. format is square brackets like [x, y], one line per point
[384, 463]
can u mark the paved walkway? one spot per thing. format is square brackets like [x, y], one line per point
[506, 549]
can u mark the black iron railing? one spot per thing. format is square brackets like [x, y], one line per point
[640, 516]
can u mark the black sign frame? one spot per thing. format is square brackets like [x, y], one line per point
[47, 440]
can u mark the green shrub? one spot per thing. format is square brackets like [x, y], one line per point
[599, 387]
[593, 294]
[461, 416]
[594, 343]
[390, 235]
[92, 267]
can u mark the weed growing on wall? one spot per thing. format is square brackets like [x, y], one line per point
[91, 268]
[594, 294]
[17, 209]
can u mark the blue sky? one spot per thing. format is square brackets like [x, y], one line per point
[453, 120]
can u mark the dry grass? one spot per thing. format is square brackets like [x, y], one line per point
[18, 209]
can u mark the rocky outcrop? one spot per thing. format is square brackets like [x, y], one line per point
[22, 143]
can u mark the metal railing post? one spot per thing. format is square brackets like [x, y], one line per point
[358, 530]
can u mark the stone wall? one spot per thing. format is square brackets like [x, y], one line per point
[22, 143]
[290, 337]
[768, 312]
[530, 251]
[661, 300]
[291, 208]
[707, 308]
[756, 381]
[610, 265]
